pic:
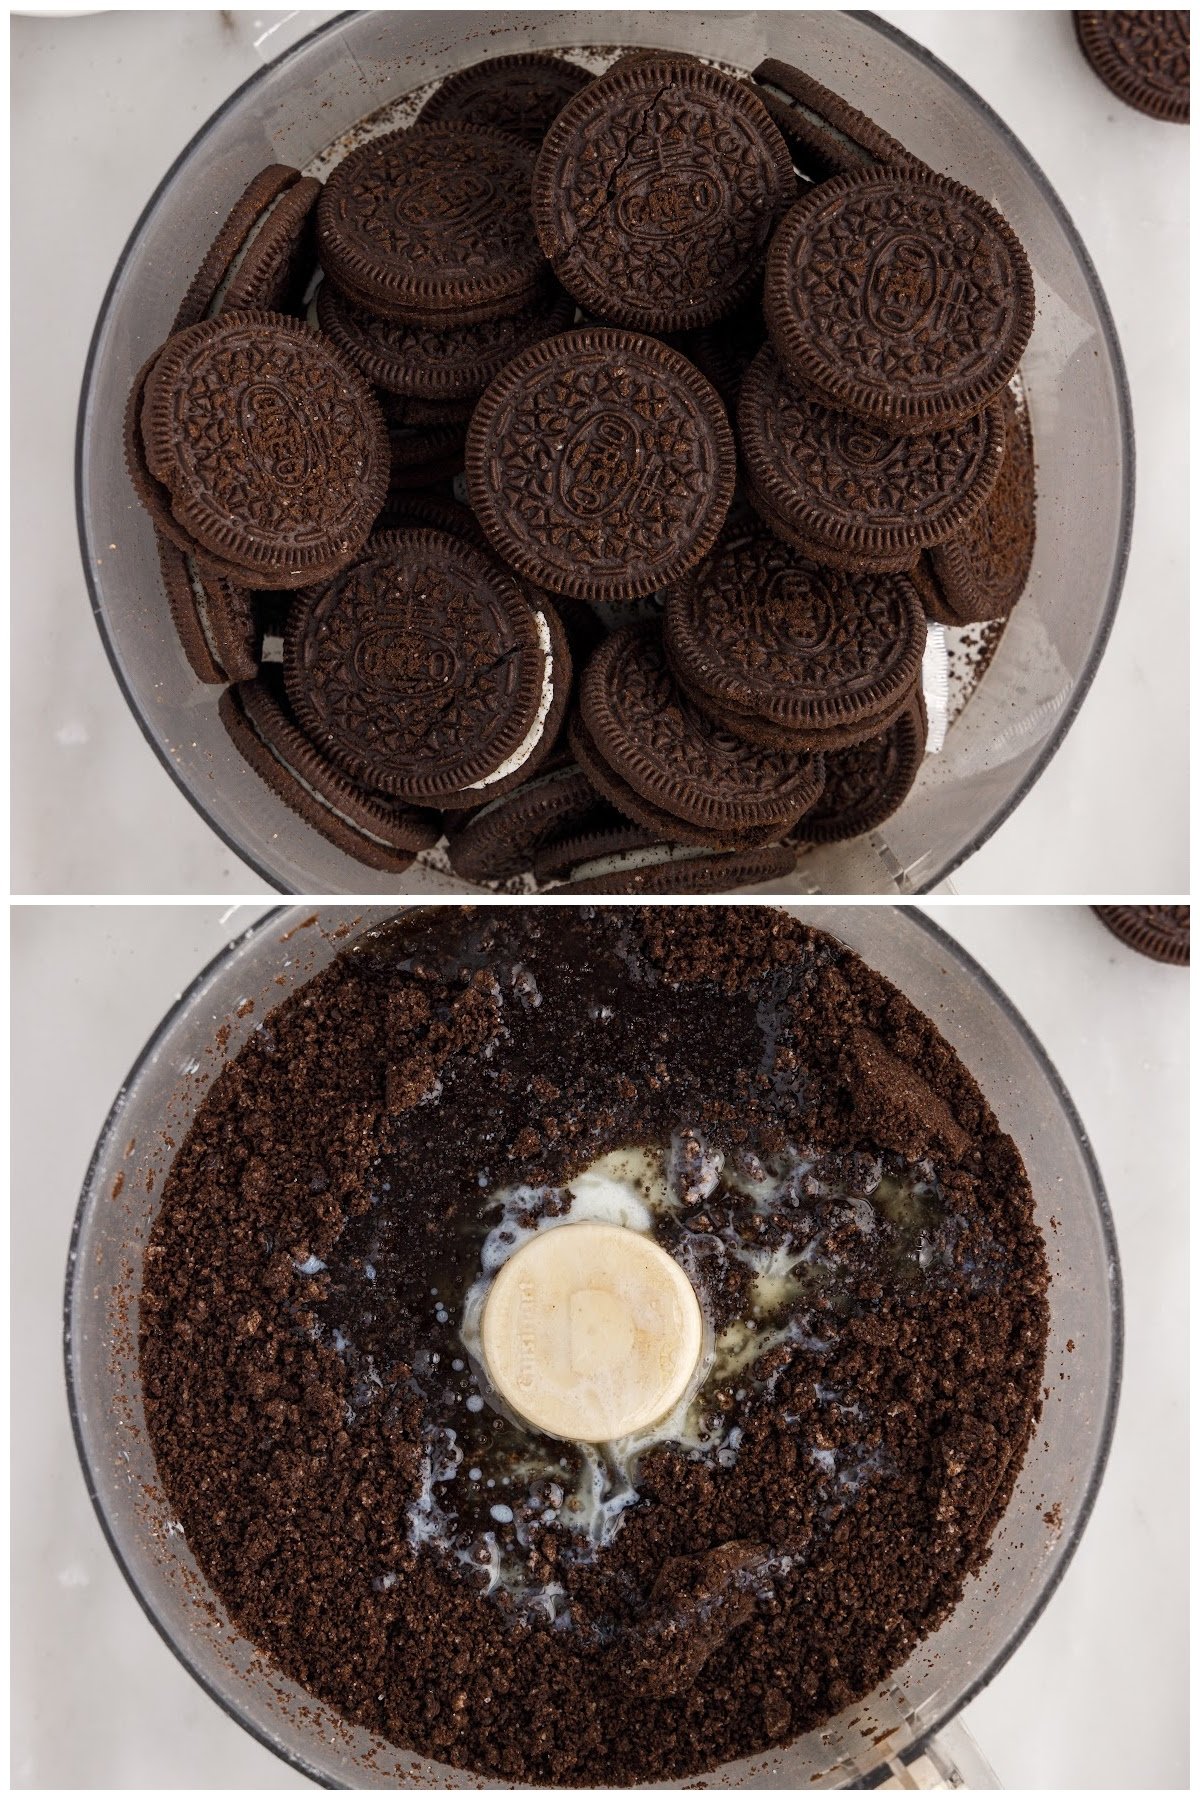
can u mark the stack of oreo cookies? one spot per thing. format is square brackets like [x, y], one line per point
[572, 474]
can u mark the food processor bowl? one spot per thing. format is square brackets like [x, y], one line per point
[308, 100]
[1032, 1545]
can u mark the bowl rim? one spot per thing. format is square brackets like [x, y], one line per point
[891, 34]
[951, 948]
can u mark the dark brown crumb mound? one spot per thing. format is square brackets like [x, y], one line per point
[296, 1366]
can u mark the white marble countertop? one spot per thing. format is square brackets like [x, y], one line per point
[103, 103]
[1097, 1695]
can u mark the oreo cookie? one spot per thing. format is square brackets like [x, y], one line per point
[787, 653]
[251, 209]
[981, 573]
[603, 833]
[656, 192]
[852, 493]
[432, 225]
[1163, 933]
[899, 296]
[867, 783]
[213, 618]
[667, 869]
[502, 840]
[600, 464]
[270, 448]
[274, 270]
[1144, 58]
[381, 836]
[647, 731]
[422, 672]
[825, 134]
[521, 94]
[438, 363]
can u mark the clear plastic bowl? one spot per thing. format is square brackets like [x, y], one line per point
[1031, 1548]
[301, 104]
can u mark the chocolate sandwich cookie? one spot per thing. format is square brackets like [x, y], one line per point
[1163, 933]
[273, 271]
[669, 869]
[600, 464]
[422, 671]
[248, 212]
[867, 783]
[790, 653]
[438, 363]
[557, 690]
[154, 497]
[521, 94]
[854, 493]
[1144, 58]
[659, 825]
[653, 737]
[656, 192]
[366, 828]
[604, 833]
[503, 839]
[213, 617]
[981, 573]
[825, 134]
[433, 224]
[900, 296]
[272, 449]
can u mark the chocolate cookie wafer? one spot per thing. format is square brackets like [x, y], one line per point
[422, 671]
[275, 268]
[607, 835]
[521, 94]
[1144, 58]
[366, 828]
[155, 498]
[654, 738]
[440, 362]
[659, 825]
[1163, 933]
[271, 447]
[249, 211]
[856, 494]
[656, 192]
[825, 134]
[982, 571]
[900, 296]
[213, 617]
[790, 653]
[867, 783]
[503, 839]
[433, 224]
[600, 464]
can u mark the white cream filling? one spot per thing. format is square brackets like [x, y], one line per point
[655, 854]
[321, 799]
[202, 610]
[532, 738]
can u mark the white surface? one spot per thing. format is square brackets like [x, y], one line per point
[102, 104]
[1097, 1696]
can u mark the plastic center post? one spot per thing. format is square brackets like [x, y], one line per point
[591, 1332]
